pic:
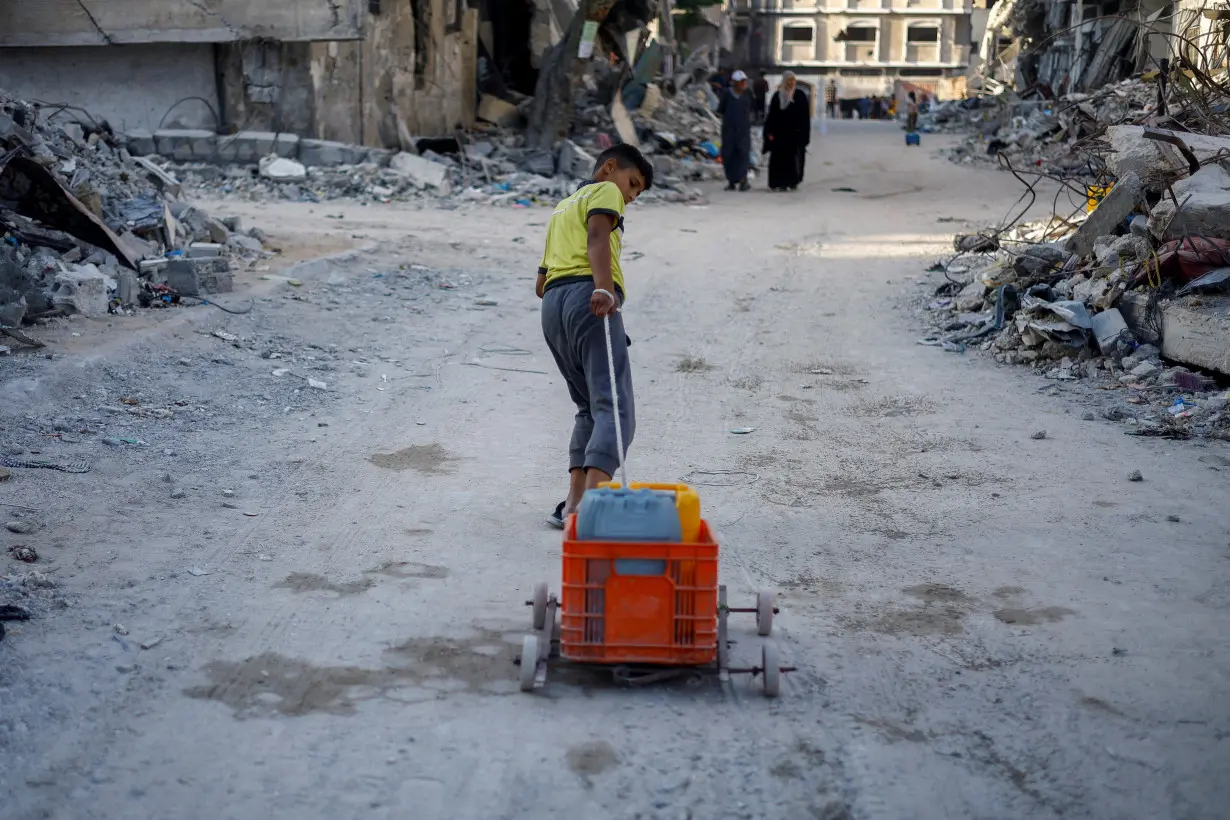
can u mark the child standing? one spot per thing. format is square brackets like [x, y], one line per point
[580, 282]
[911, 114]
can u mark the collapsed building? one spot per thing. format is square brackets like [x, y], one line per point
[115, 113]
[1126, 112]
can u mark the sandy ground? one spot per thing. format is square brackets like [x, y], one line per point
[985, 625]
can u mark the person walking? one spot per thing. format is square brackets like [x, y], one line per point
[735, 110]
[830, 99]
[911, 114]
[760, 98]
[787, 132]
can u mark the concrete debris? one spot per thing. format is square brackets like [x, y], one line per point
[280, 168]
[91, 228]
[423, 172]
[1136, 272]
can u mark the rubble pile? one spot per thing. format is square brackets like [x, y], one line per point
[1132, 291]
[89, 228]
[1053, 135]
[490, 166]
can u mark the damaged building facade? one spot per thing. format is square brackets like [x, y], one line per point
[1079, 46]
[366, 72]
[868, 47]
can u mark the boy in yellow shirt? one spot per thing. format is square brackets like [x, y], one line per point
[580, 282]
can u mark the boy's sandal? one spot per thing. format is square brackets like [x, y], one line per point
[556, 519]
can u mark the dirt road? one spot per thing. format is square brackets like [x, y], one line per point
[330, 580]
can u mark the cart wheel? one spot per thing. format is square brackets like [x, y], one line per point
[540, 605]
[764, 612]
[772, 672]
[529, 662]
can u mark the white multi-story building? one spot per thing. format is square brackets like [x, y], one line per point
[865, 46]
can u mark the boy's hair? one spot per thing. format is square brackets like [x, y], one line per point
[912, 97]
[627, 156]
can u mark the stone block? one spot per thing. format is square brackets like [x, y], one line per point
[1114, 208]
[141, 142]
[1206, 207]
[1198, 336]
[84, 289]
[195, 277]
[187, 145]
[203, 250]
[326, 152]
[422, 172]
[1153, 161]
[250, 146]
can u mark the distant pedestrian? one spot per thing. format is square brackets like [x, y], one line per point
[787, 132]
[911, 114]
[736, 112]
[830, 99]
[760, 98]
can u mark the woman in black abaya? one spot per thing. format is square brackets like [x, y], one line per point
[787, 131]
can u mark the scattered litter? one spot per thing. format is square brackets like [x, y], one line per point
[151, 643]
[44, 464]
[198, 572]
[1135, 475]
[120, 629]
[743, 431]
[20, 527]
[1039, 435]
[23, 553]
[317, 385]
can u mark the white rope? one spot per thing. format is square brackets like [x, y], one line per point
[610, 366]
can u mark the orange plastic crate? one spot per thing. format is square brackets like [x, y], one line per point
[653, 603]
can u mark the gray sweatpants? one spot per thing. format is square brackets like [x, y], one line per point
[578, 344]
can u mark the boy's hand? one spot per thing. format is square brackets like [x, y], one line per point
[602, 303]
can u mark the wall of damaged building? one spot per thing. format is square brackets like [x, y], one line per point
[131, 86]
[118, 22]
[413, 74]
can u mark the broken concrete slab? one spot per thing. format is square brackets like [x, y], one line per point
[1198, 336]
[83, 289]
[498, 112]
[165, 182]
[194, 277]
[187, 145]
[327, 152]
[252, 146]
[282, 169]
[421, 171]
[203, 250]
[1205, 211]
[1114, 208]
[575, 160]
[1154, 162]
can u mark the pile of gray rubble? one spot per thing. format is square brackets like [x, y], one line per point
[1133, 293]
[490, 165]
[88, 227]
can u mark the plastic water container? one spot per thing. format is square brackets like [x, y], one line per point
[646, 513]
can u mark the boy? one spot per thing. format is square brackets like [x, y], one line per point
[580, 282]
[911, 114]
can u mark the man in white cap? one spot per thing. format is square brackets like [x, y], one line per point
[736, 110]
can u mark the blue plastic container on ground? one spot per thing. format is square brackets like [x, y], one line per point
[628, 515]
[913, 138]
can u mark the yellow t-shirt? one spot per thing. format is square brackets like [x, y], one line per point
[567, 250]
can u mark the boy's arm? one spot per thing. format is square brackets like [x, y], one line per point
[599, 249]
[540, 283]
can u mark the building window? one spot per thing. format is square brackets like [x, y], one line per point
[922, 34]
[860, 34]
[798, 34]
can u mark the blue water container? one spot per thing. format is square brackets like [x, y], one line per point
[912, 138]
[608, 514]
